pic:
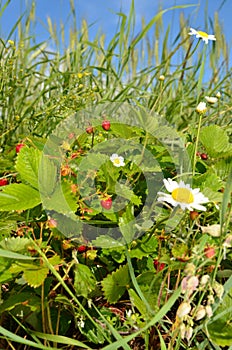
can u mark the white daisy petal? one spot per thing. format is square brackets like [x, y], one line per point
[182, 195]
[170, 184]
[202, 35]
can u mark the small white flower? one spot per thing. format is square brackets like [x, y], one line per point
[201, 108]
[183, 195]
[218, 94]
[202, 35]
[117, 160]
[211, 100]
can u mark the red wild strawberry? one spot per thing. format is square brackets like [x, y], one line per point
[159, 266]
[106, 124]
[18, 147]
[209, 252]
[204, 156]
[106, 203]
[82, 249]
[89, 129]
[3, 182]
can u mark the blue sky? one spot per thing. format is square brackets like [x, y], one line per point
[101, 15]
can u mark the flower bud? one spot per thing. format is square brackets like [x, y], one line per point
[188, 333]
[218, 289]
[161, 77]
[183, 309]
[204, 280]
[209, 311]
[201, 108]
[211, 100]
[200, 313]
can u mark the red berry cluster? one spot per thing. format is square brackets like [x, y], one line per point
[159, 266]
[105, 125]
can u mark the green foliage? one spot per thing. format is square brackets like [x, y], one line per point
[220, 327]
[115, 285]
[27, 164]
[64, 259]
[19, 197]
[216, 141]
[84, 280]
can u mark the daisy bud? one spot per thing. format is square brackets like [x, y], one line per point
[218, 94]
[201, 108]
[161, 77]
[211, 100]
[183, 309]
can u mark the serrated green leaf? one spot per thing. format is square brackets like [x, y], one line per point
[115, 285]
[84, 280]
[27, 164]
[35, 276]
[48, 176]
[125, 192]
[15, 244]
[220, 328]
[216, 141]
[61, 200]
[222, 167]
[21, 197]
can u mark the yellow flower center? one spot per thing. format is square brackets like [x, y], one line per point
[205, 35]
[117, 161]
[182, 195]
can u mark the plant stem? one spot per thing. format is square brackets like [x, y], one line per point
[196, 144]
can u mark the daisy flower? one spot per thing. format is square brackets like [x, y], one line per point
[204, 36]
[117, 160]
[183, 195]
[211, 99]
[201, 108]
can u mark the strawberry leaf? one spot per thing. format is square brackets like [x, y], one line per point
[115, 285]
